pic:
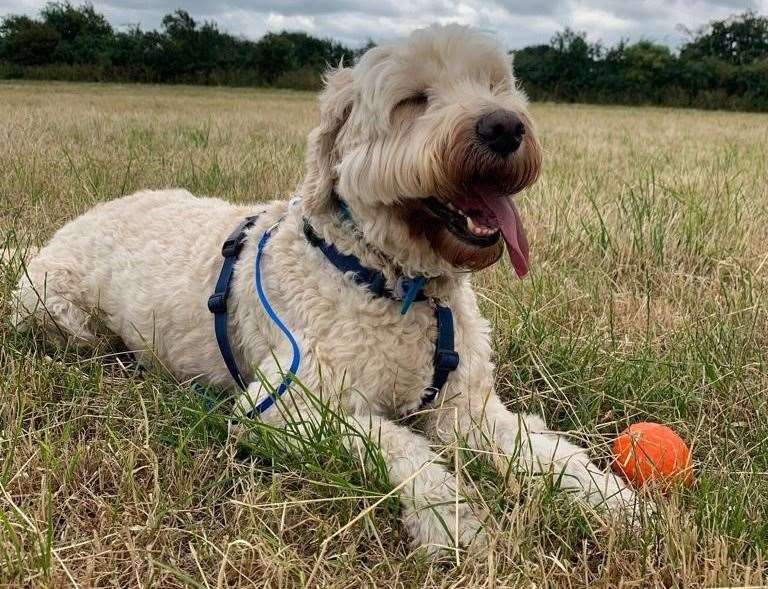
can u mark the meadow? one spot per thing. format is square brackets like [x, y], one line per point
[649, 232]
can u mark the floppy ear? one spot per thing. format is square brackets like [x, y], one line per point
[322, 156]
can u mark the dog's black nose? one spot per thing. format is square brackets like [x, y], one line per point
[501, 130]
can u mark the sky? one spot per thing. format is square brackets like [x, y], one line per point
[516, 23]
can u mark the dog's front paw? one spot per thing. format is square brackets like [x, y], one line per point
[616, 499]
[445, 526]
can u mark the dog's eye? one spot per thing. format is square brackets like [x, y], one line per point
[418, 99]
[409, 109]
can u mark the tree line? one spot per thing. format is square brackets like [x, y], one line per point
[79, 44]
[722, 65]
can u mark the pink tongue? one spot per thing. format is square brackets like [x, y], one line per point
[512, 229]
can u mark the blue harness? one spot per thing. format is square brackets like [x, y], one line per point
[407, 291]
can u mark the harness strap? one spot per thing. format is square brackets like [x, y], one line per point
[217, 302]
[446, 359]
[269, 400]
[373, 280]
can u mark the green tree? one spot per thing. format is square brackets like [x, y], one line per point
[642, 72]
[738, 40]
[25, 41]
[85, 36]
[565, 69]
[274, 55]
[190, 50]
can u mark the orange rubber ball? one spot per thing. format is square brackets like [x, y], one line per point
[651, 452]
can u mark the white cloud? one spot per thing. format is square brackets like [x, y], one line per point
[276, 21]
[594, 19]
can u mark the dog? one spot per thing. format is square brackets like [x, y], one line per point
[411, 173]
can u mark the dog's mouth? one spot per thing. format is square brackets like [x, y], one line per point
[480, 219]
[469, 226]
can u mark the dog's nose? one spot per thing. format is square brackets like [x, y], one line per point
[501, 130]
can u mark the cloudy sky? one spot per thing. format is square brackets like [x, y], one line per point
[516, 22]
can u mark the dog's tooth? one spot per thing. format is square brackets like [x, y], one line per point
[479, 230]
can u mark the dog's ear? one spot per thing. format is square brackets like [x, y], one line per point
[322, 155]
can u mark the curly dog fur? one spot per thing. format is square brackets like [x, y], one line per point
[400, 128]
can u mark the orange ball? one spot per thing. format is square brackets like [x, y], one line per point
[651, 452]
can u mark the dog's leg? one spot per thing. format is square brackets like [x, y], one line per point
[46, 298]
[524, 439]
[435, 517]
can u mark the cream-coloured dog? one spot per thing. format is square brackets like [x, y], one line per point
[420, 147]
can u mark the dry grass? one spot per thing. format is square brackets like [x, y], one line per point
[647, 302]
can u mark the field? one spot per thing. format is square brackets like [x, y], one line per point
[646, 302]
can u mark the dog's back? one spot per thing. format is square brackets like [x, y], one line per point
[145, 264]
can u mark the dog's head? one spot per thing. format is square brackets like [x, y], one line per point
[427, 140]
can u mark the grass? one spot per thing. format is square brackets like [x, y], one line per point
[647, 302]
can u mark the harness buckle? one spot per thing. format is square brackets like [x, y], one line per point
[233, 245]
[446, 360]
[217, 303]
[431, 394]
